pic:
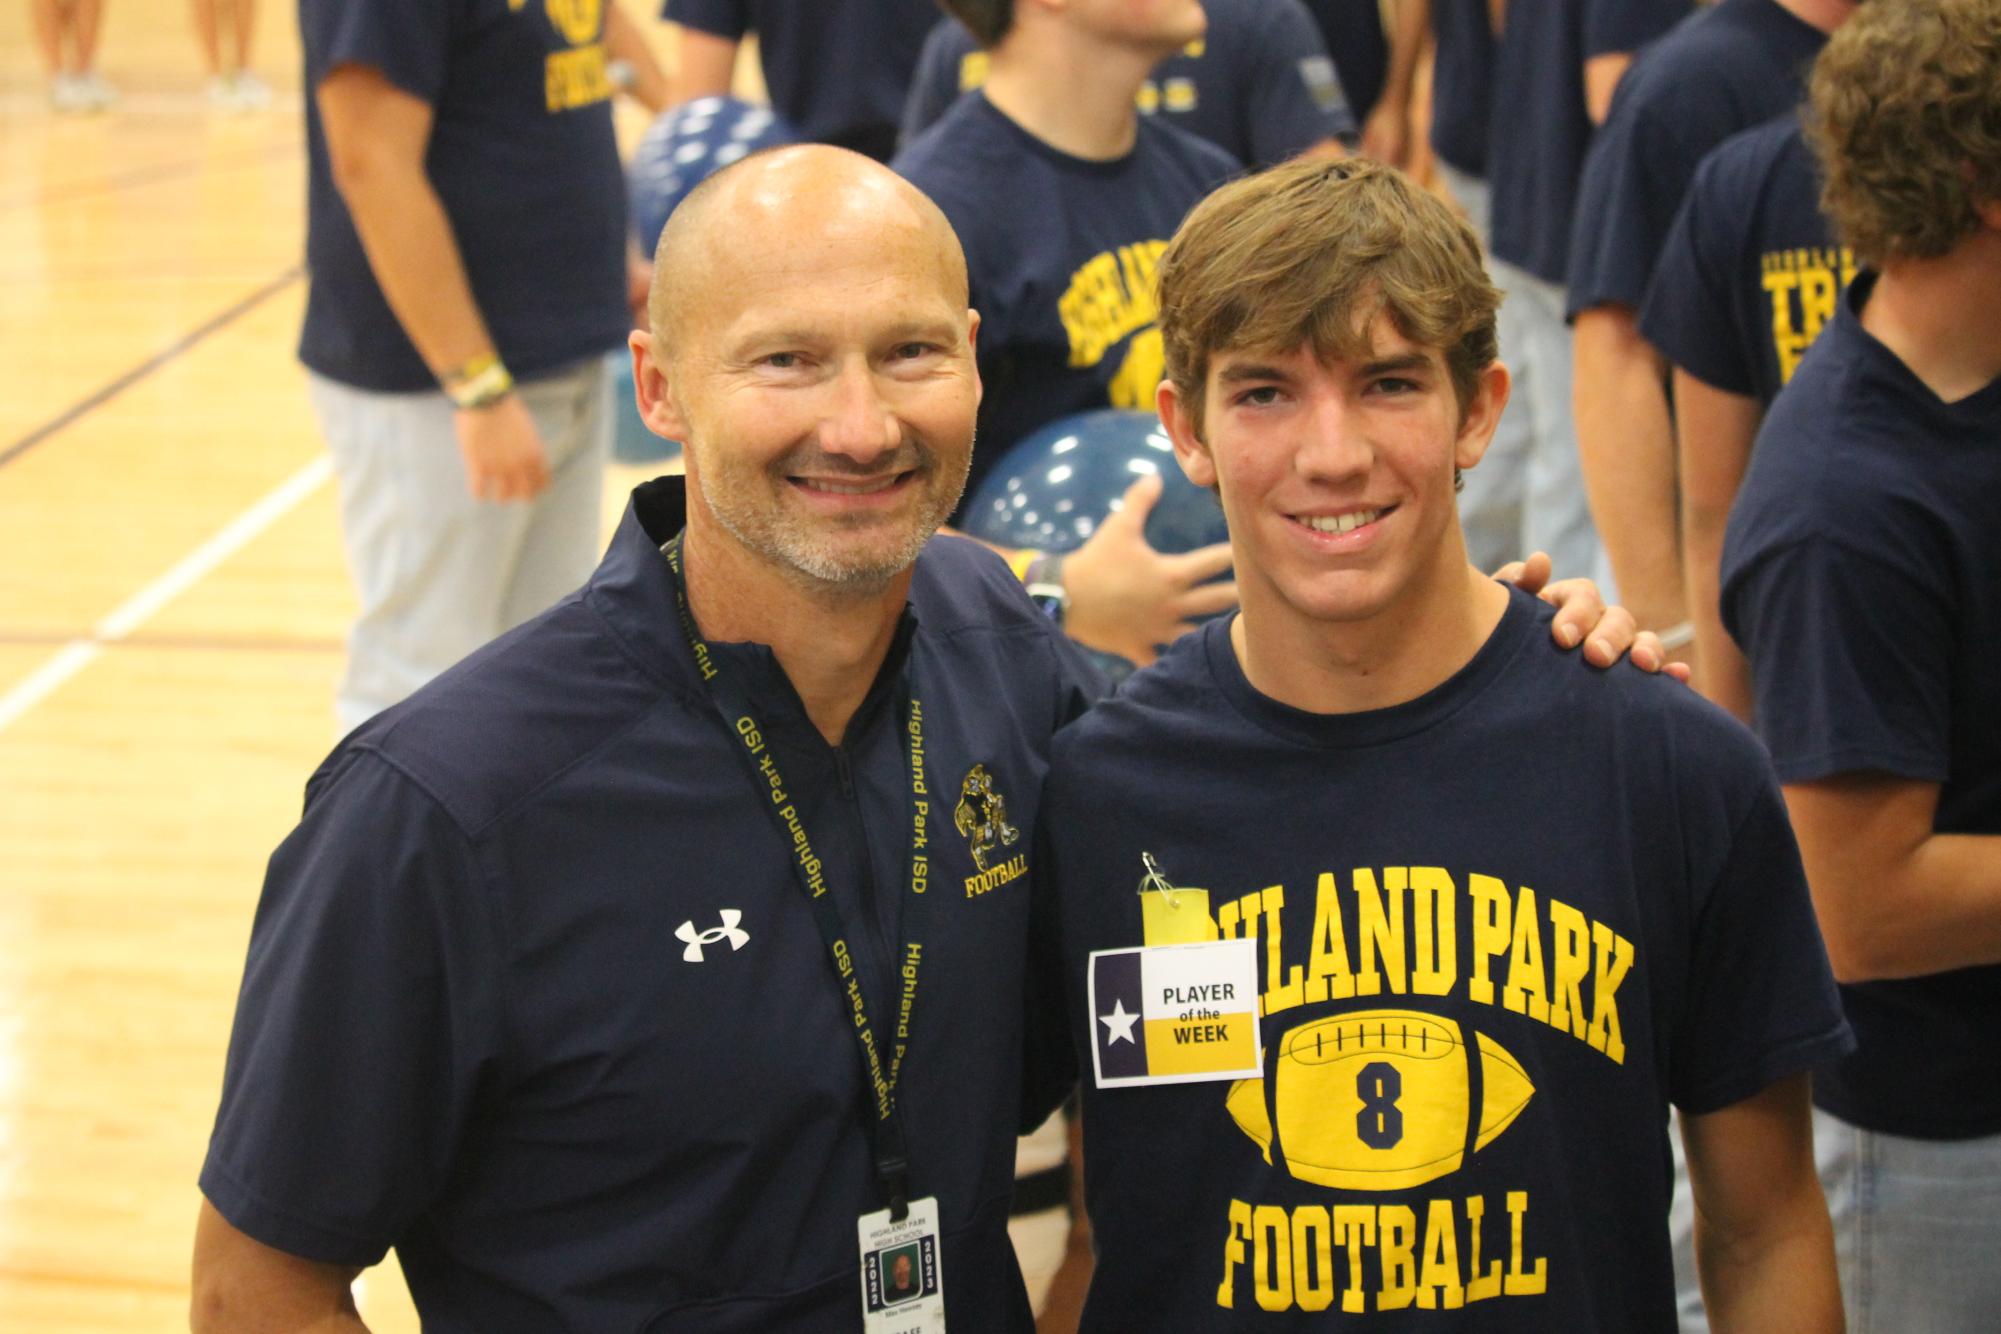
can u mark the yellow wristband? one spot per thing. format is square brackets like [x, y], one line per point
[480, 383]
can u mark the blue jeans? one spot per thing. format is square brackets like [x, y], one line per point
[437, 572]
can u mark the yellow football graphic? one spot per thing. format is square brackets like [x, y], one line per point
[1380, 1100]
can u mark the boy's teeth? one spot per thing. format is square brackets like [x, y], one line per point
[1341, 523]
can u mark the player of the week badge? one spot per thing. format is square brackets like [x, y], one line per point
[1177, 1013]
[903, 1281]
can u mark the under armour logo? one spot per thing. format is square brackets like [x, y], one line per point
[729, 931]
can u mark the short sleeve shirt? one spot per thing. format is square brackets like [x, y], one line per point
[1259, 85]
[1061, 254]
[521, 155]
[1499, 929]
[1461, 83]
[1751, 271]
[1726, 69]
[1353, 31]
[837, 70]
[1859, 575]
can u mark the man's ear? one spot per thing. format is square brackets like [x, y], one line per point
[1483, 414]
[1184, 431]
[973, 348]
[658, 407]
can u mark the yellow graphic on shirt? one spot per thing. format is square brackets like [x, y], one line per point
[1390, 1097]
[1804, 284]
[1114, 297]
[580, 76]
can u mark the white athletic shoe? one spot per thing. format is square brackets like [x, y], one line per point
[70, 95]
[251, 92]
[221, 93]
[98, 89]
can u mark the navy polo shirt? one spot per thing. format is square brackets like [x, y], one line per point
[1061, 253]
[522, 157]
[1462, 74]
[1722, 70]
[1751, 271]
[1540, 129]
[837, 70]
[534, 995]
[1259, 85]
[1859, 574]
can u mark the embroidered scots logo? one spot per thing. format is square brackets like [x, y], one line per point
[729, 930]
[981, 816]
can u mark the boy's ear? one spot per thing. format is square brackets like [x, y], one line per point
[1482, 416]
[1182, 428]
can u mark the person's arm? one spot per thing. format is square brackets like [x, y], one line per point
[1714, 430]
[1601, 76]
[1894, 897]
[1386, 132]
[376, 136]
[1626, 444]
[242, 1286]
[1763, 1245]
[707, 66]
[626, 44]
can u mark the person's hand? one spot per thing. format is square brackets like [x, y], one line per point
[1125, 597]
[502, 451]
[1386, 134]
[1607, 633]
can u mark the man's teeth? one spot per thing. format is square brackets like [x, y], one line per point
[850, 488]
[1341, 523]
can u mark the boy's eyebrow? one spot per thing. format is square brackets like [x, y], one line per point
[1410, 361]
[1238, 371]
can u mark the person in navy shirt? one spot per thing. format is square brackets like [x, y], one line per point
[1471, 1027]
[1258, 84]
[1729, 67]
[836, 70]
[1748, 277]
[1064, 196]
[1862, 575]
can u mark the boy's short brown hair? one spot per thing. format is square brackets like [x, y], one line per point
[1905, 116]
[1308, 252]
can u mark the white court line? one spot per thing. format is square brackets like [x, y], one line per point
[78, 654]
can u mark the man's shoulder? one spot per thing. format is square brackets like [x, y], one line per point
[960, 586]
[495, 729]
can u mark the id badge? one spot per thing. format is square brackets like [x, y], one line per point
[1174, 1014]
[903, 1271]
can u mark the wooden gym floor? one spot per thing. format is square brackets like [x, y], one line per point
[172, 601]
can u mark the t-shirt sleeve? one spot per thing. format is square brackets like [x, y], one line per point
[722, 18]
[1294, 98]
[410, 44]
[935, 83]
[1850, 662]
[1635, 175]
[1760, 1002]
[1627, 25]
[367, 1017]
[1687, 310]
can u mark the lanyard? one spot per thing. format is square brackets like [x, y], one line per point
[892, 1165]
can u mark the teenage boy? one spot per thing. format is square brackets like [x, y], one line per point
[1503, 911]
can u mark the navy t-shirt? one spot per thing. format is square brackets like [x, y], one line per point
[1502, 926]
[1061, 253]
[1751, 272]
[1259, 86]
[1860, 575]
[1353, 31]
[837, 70]
[1462, 76]
[534, 995]
[521, 154]
[1536, 142]
[1723, 70]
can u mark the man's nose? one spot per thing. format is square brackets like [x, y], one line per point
[859, 423]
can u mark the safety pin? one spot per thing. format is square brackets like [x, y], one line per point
[1154, 880]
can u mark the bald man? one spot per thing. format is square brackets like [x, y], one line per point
[662, 965]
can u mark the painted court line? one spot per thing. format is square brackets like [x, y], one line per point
[141, 606]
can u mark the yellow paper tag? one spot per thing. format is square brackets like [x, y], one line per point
[1180, 918]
